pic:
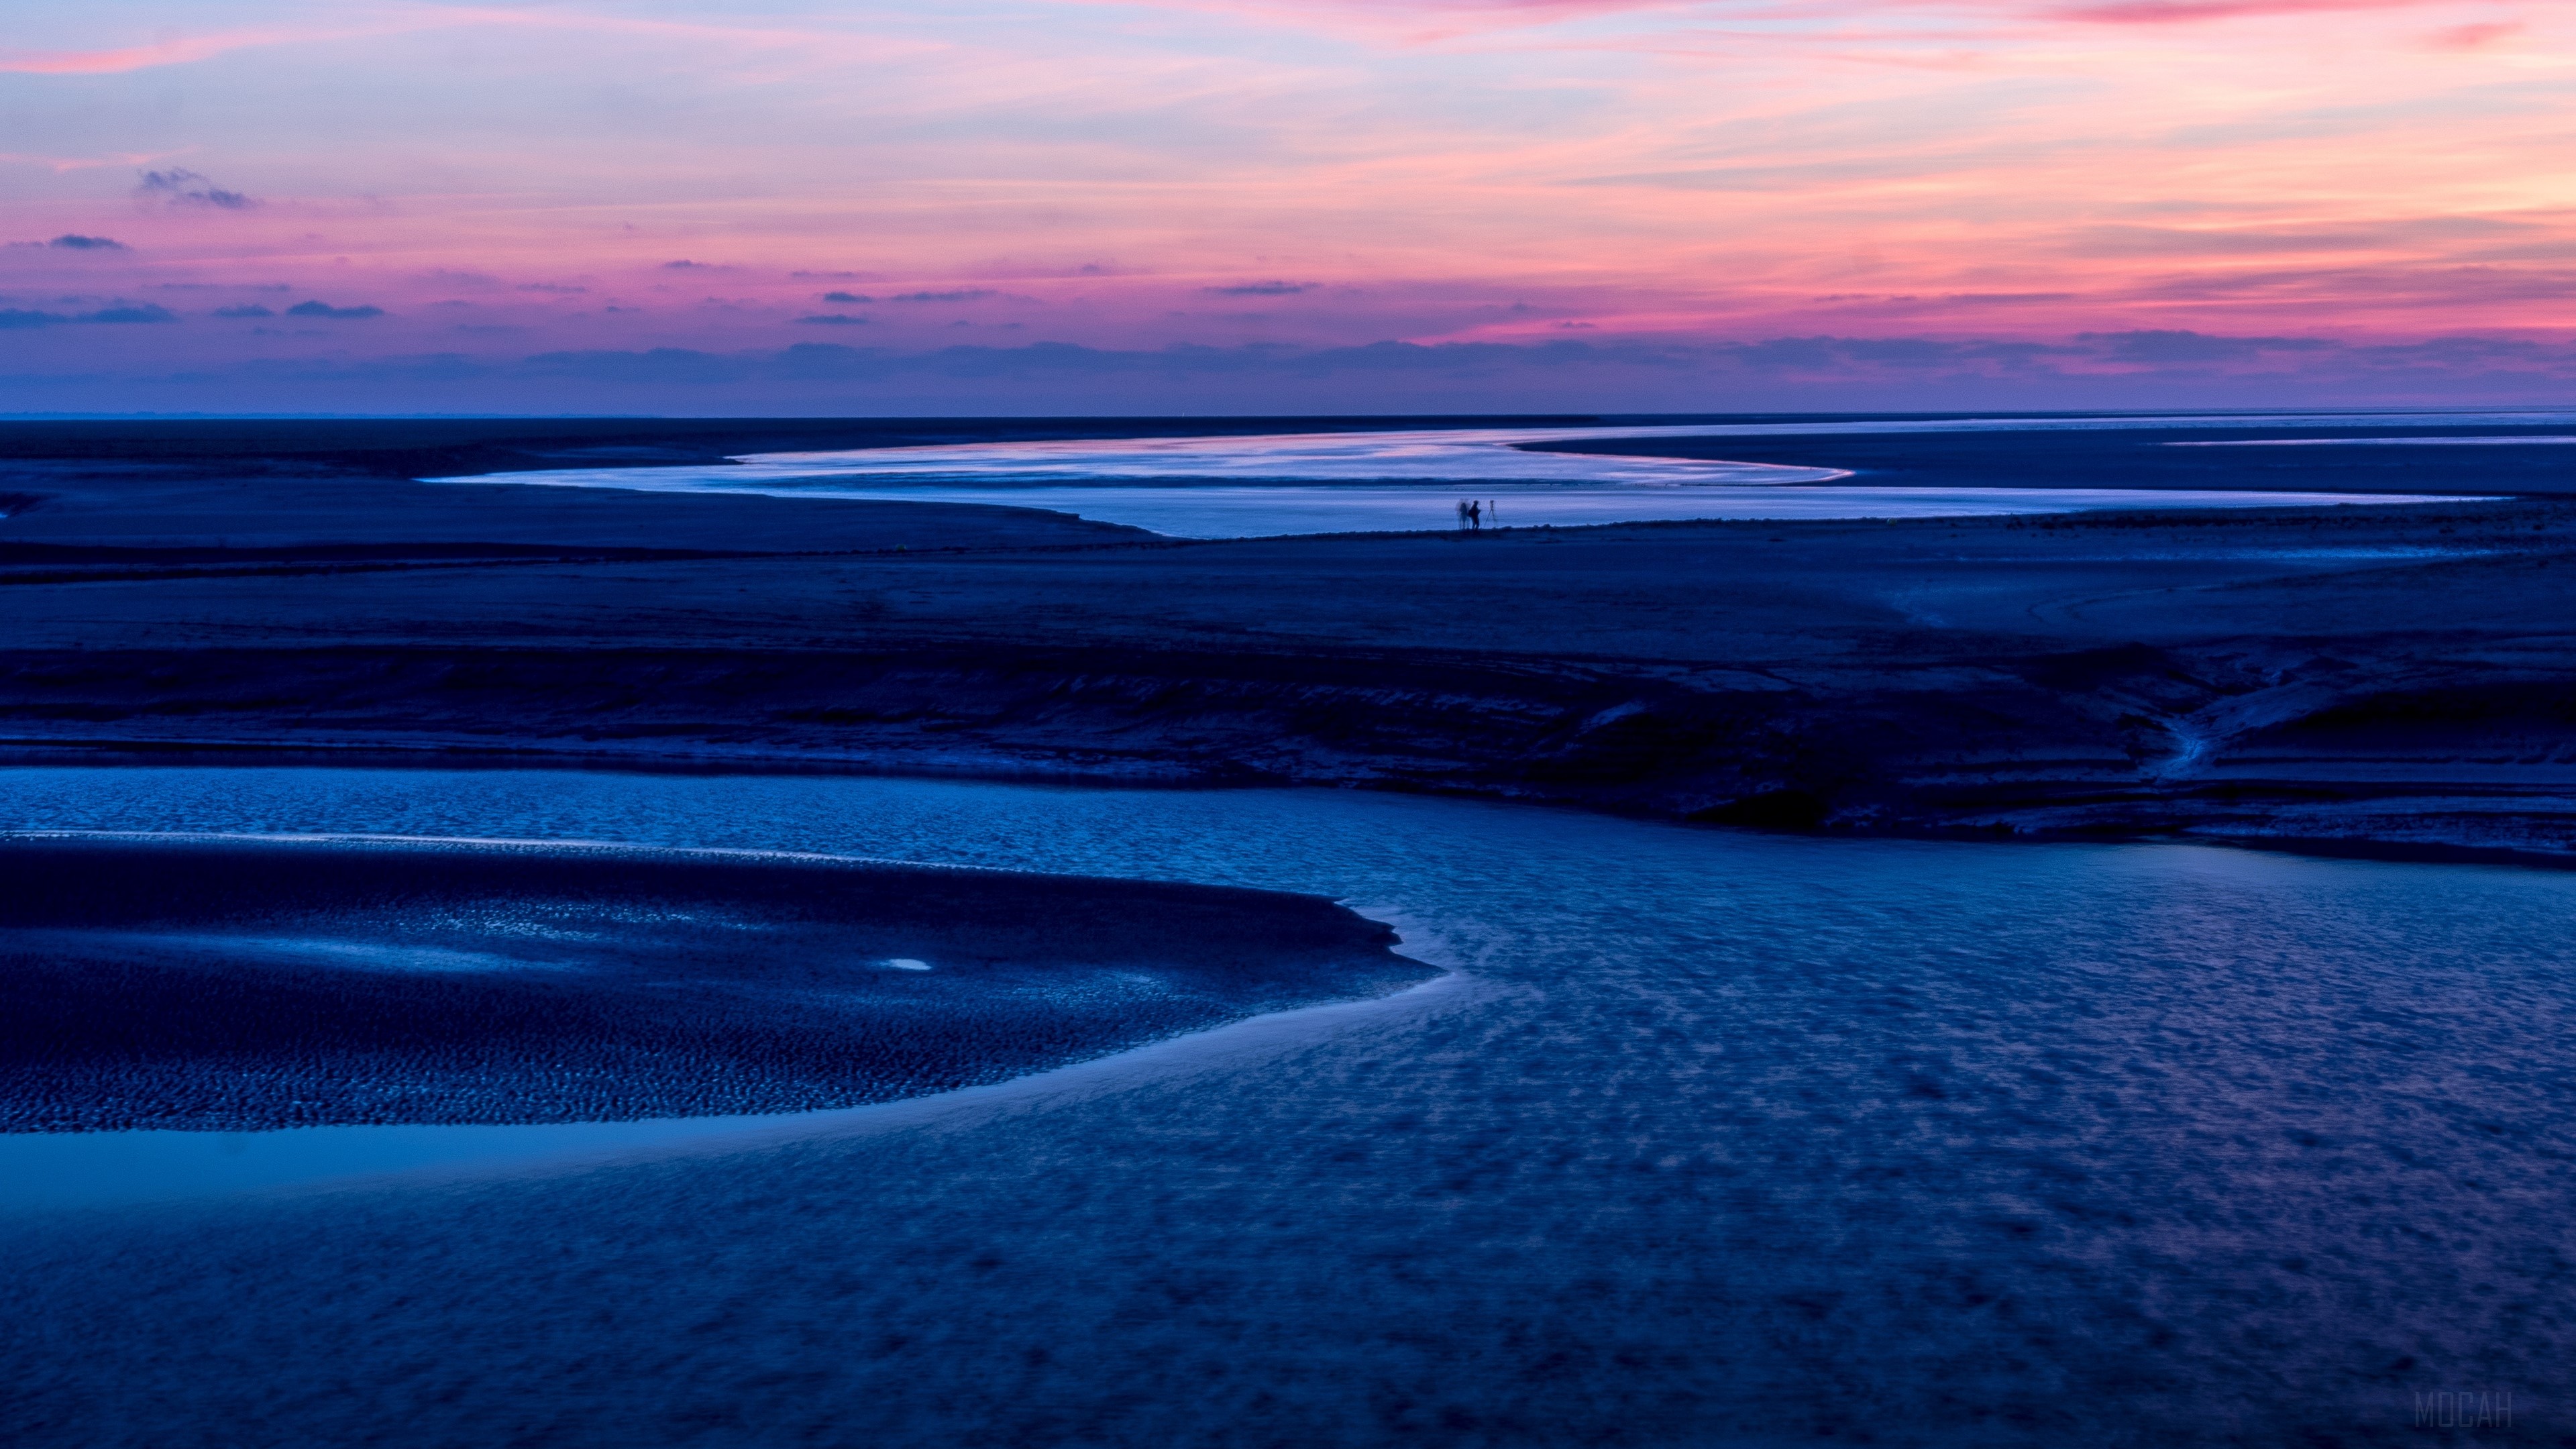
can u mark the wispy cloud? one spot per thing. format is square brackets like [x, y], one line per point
[337, 314]
[1772, 172]
[2160, 348]
[2184, 12]
[120, 313]
[1784, 372]
[178, 51]
[2476, 36]
[181, 187]
[130, 312]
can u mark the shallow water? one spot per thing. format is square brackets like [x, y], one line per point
[1253, 486]
[1736, 1138]
[53, 1170]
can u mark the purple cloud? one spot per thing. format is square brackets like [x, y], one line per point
[181, 187]
[325, 309]
[1262, 289]
[15, 319]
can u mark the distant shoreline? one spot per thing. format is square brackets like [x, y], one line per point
[2396, 674]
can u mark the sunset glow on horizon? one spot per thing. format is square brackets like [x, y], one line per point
[419, 206]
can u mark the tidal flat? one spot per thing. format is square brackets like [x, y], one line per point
[2365, 676]
[1861, 1017]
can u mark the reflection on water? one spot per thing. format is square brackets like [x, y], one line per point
[1234, 487]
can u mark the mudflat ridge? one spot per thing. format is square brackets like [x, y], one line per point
[227, 984]
[2397, 676]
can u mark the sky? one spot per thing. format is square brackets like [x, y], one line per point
[1079, 206]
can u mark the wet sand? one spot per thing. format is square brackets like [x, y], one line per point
[221, 984]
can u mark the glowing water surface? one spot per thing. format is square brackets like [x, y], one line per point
[1235, 487]
[1516, 858]
[96, 1169]
[1876, 1141]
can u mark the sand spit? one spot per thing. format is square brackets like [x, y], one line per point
[238, 984]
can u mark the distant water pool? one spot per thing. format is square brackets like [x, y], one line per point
[1396, 481]
[1919, 1142]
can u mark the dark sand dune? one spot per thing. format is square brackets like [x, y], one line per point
[235, 984]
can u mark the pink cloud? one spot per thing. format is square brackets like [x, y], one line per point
[1344, 172]
[1411, 21]
[187, 50]
[145, 57]
[2177, 12]
[2476, 37]
[60, 164]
